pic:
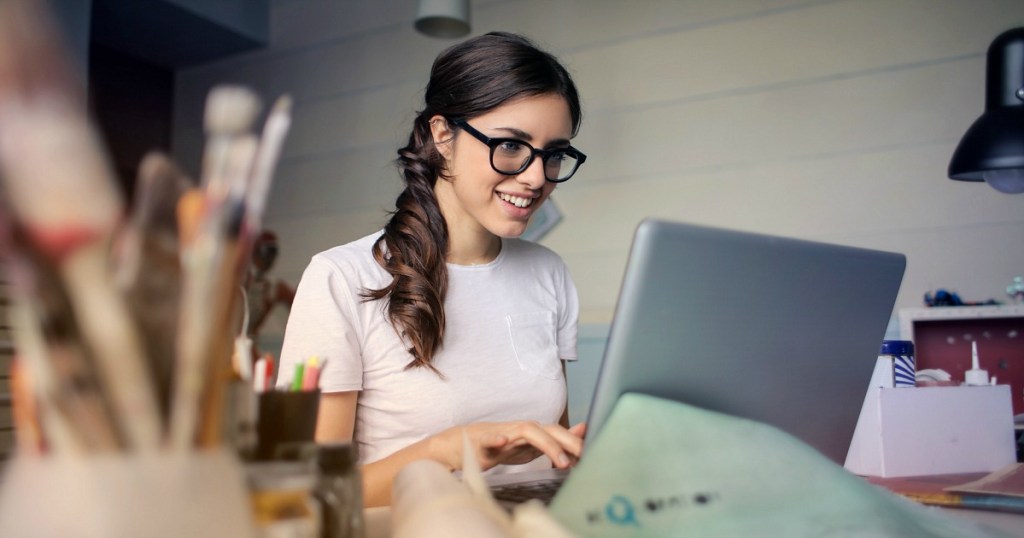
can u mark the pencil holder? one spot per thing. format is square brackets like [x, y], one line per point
[285, 419]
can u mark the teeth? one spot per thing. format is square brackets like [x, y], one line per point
[515, 200]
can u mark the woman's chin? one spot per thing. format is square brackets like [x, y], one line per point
[510, 230]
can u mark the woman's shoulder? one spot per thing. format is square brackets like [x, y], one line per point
[355, 255]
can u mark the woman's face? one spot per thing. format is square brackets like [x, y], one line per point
[478, 198]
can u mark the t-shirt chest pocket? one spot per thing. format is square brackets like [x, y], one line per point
[533, 340]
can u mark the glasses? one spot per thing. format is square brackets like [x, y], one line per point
[511, 156]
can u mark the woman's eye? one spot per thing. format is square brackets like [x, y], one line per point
[510, 147]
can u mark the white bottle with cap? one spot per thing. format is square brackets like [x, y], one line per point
[976, 375]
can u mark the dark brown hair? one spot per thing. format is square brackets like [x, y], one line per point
[467, 80]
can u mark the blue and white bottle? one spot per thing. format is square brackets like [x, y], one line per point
[898, 358]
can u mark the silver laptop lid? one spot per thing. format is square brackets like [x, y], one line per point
[778, 330]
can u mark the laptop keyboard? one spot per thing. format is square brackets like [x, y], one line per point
[542, 490]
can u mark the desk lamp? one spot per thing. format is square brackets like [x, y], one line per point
[992, 150]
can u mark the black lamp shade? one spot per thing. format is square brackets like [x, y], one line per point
[993, 147]
[443, 18]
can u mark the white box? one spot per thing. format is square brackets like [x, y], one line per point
[933, 430]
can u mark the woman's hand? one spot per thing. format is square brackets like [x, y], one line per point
[512, 443]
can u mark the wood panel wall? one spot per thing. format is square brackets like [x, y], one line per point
[823, 119]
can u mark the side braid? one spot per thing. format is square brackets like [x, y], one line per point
[413, 248]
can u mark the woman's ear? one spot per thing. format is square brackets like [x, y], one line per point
[442, 133]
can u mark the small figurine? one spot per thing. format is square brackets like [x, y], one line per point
[264, 293]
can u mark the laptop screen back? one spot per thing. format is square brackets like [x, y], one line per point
[778, 330]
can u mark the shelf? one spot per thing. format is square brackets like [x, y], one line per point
[945, 338]
[908, 316]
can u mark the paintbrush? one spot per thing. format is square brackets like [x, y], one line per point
[223, 297]
[70, 402]
[58, 403]
[63, 196]
[193, 326]
[209, 220]
[246, 199]
[73, 238]
[274, 132]
[148, 270]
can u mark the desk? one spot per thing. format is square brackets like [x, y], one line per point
[1011, 523]
[378, 520]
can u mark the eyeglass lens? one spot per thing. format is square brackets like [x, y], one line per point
[511, 157]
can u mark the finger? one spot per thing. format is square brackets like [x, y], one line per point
[554, 441]
[493, 441]
[579, 430]
[514, 456]
[571, 443]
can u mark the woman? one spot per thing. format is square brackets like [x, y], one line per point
[444, 324]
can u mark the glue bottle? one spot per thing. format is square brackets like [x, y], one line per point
[976, 375]
[895, 367]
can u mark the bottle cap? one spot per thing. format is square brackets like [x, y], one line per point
[976, 375]
[896, 347]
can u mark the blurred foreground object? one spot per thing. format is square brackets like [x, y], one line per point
[429, 501]
[122, 319]
[81, 349]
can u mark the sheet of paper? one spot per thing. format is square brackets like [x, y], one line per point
[662, 468]
[1006, 481]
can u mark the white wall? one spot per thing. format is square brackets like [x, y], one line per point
[829, 120]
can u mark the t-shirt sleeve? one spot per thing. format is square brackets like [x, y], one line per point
[323, 323]
[568, 316]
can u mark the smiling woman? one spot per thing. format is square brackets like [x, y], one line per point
[445, 323]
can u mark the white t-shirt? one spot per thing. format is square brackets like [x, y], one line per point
[508, 323]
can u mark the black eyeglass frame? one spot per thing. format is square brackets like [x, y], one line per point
[493, 143]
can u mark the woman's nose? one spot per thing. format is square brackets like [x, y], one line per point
[533, 176]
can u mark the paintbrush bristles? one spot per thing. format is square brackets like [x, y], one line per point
[283, 104]
[274, 131]
[230, 113]
[230, 110]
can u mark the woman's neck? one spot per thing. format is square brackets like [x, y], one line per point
[472, 248]
[469, 243]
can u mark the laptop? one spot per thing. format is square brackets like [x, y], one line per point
[778, 330]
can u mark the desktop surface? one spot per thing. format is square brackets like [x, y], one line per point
[923, 486]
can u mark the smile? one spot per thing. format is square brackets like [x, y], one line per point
[515, 200]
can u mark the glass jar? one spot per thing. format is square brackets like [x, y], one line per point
[339, 489]
[283, 499]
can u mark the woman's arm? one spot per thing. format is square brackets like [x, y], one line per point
[336, 423]
[336, 417]
[499, 443]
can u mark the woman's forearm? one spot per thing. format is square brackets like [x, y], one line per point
[379, 475]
